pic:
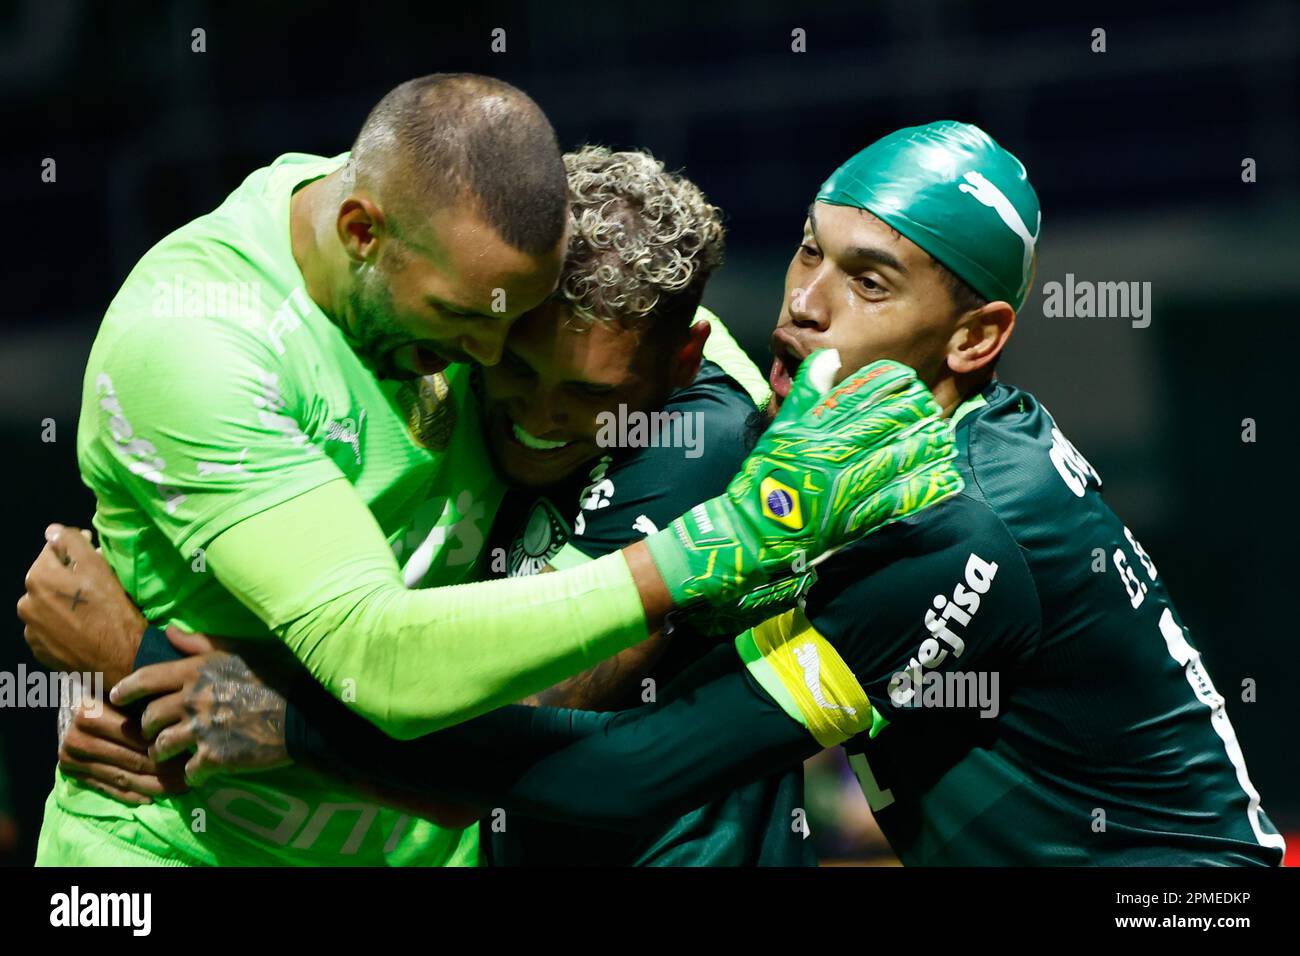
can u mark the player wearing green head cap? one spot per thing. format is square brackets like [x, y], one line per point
[1003, 702]
[934, 229]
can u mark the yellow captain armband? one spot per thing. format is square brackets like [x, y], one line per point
[806, 676]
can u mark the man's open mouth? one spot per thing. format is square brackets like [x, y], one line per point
[533, 443]
[427, 361]
[415, 359]
[787, 357]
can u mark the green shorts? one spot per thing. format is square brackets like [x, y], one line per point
[68, 839]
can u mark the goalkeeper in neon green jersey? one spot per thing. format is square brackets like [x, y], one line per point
[270, 398]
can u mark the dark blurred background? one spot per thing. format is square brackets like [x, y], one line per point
[1136, 154]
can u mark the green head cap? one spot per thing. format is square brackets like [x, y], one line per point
[954, 192]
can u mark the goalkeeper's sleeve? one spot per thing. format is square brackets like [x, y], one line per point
[713, 730]
[318, 572]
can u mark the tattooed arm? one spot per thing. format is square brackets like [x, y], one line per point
[217, 704]
[231, 712]
[233, 718]
[77, 615]
[79, 618]
[712, 730]
[103, 748]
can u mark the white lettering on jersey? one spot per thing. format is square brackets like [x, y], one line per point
[206, 468]
[143, 456]
[1073, 468]
[957, 612]
[287, 318]
[596, 495]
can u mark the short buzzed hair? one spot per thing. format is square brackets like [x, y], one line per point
[448, 136]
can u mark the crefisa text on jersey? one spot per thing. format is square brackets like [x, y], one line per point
[919, 685]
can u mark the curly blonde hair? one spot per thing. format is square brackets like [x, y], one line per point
[642, 241]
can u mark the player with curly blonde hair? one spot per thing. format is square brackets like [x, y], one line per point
[641, 241]
[624, 324]
[624, 337]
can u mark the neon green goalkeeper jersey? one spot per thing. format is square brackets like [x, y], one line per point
[276, 403]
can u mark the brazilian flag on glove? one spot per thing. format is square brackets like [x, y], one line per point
[836, 464]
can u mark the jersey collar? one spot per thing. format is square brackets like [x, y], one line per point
[976, 401]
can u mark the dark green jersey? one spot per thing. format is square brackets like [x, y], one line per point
[1011, 678]
[624, 496]
[1043, 702]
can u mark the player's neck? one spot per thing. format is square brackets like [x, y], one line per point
[948, 395]
[307, 214]
[950, 392]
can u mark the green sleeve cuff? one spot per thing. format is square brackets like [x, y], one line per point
[671, 559]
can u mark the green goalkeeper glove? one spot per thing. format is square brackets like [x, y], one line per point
[751, 609]
[835, 465]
